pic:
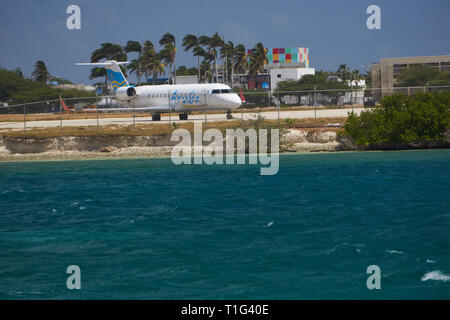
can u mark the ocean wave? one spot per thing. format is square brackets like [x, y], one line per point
[394, 252]
[436, 275]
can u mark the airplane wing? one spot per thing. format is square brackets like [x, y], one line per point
[129, 109]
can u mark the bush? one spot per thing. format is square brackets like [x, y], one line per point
[401, 119]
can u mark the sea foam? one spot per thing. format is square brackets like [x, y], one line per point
[435, 275]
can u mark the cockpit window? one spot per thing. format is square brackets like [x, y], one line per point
[215, 91]
[225, 91]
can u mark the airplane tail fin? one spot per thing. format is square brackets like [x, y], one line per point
[242, 96]
[66, 108]
[115, 74]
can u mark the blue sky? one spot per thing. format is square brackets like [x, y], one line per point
[334, 30]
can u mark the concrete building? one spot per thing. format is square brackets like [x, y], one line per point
[283, 72]
[187, 79]
[386, 73]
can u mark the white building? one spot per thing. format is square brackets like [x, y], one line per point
[187, 79]
[287, 72]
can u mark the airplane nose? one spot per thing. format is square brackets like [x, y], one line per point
[235, 101]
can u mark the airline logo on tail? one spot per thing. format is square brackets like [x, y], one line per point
[117, 79]
[114, 72]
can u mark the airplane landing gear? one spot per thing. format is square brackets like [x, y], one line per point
[229, 116]
[183, 116]
[156, 117]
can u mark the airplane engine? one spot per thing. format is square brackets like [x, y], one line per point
[125, 93]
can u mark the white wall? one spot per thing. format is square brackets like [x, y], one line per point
[187, 79]
[282, 74]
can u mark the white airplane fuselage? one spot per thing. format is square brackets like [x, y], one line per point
[181, 97]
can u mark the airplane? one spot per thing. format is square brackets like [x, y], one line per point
[157, 99]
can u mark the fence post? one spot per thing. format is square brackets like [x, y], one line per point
[206, 106]
[60, 114]
[24, 118]
[170, 109]
[96, 111]
[314, 102]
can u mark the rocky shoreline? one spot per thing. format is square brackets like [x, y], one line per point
[99, 147]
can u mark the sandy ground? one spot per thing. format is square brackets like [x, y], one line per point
[271, 115]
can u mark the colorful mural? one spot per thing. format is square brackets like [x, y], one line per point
[287, 55]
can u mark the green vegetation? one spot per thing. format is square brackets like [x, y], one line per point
[422, 75]
[400, 120]
[309, 83]
[15, 89]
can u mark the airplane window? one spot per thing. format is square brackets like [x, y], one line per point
[225, 91]
[215, 91]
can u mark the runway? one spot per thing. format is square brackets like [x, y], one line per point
[270, 115]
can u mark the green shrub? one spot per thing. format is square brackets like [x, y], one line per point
[401, 119]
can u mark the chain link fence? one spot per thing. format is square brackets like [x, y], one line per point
[76, 108]
[336, 98]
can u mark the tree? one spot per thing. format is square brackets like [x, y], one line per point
[19, 72]
[191, 41]
[40, 72]
[343, 72]
[401, 120]
[241, 59]
[227, 53]
[109, 51]
[156, 66]
[135, 67]
[200, 52]
[169, 52]
[418, 75]
[135, 46]
[148, 53]
[213, 42]
[258, 59]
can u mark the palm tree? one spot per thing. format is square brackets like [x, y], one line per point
[40, 72]
[135, 46]
[156, 66]
[227, 53]
[241, 59]
[108, 51]
[170, 51]
[148, 53]
[200, 52]
[343, 72]
[213, 42]
[99, 72]
[168, 55]
[135, 67]
[355, 75]
[191, 41]
[258, 59]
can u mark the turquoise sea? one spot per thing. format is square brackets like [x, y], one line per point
[147, 229]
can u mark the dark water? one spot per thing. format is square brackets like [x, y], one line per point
[147, 229]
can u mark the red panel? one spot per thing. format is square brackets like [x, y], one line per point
[275, 51]
[281, 50]
[288, 56]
